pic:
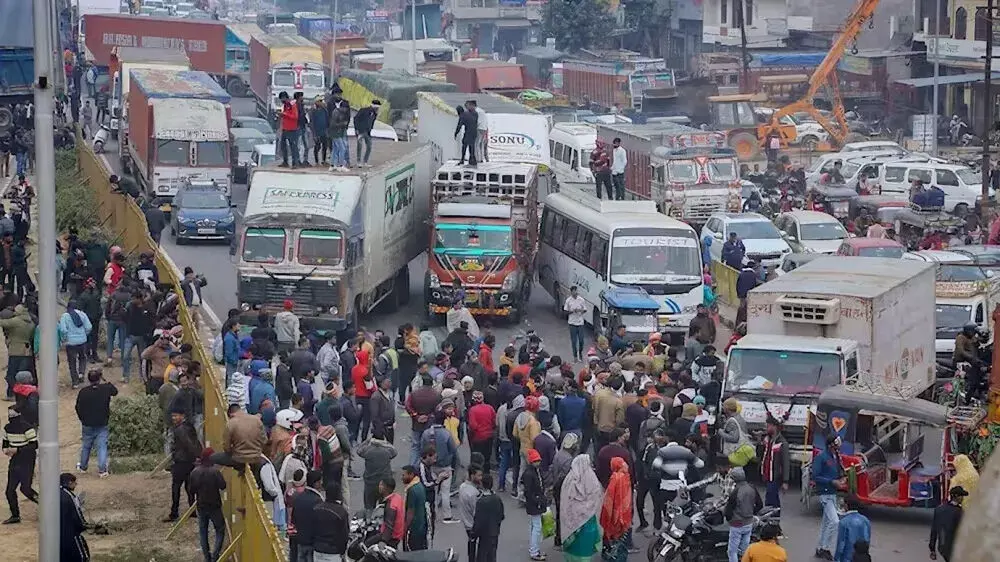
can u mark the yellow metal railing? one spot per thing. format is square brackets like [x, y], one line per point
[249, 524]
[724, 278]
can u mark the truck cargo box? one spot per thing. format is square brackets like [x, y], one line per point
[269, 50]
[204, 41]
[396, 90]
[481, 76]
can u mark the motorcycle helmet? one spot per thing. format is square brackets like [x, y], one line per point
[286, 417]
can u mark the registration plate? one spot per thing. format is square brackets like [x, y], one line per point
[206, 231]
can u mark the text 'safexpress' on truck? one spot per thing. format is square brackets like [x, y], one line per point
[178, 125]
[284, 63]
[336, 244]
[867, 322]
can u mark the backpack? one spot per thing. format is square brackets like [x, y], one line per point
[218, 349]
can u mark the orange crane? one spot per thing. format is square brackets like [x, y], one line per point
[825, 75]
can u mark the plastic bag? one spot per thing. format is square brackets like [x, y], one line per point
[743, 455]
[548, 524]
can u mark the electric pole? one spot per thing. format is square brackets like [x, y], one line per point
[744, 55]
[987, 115]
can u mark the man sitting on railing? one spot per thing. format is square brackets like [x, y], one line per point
[245, 440]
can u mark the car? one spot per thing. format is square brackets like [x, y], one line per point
[262, 125]
[873, 146]
[762, 240]
[961, 184]
[202, 211]
[245, 139]
[790, 262]
[850, 163]
[952, 266]
[811, 231]
[871, 248]
[987, 257]
[263, 155]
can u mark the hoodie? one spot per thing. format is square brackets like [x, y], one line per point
[526, 428]
[19, 331]
[361, 375]
[744, 502]
[286, 326]
[74, 326]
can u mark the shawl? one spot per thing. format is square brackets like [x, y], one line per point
[580, 497]
[616, 513]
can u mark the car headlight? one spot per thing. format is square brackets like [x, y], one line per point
[675, 531]
[226, 220]
[434, 281]
[509, 282]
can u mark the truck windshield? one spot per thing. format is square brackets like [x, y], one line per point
[284, 78]
[312, 79]
[682, 171]
[320, 247]
[722, 169]
[472, 240]
[213, 153]
[173, 152]
[653, 252]
[951, 318]
[774, 371]
[264, 245]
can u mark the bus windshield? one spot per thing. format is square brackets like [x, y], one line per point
[775, 371]
[473, 240]
[653, 252]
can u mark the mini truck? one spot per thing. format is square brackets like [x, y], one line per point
[178, 130]
[866, 322]
[484, 233]
[284, 63]
[335, 244]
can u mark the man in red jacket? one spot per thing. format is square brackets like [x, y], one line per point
[364, 386]
[289, 141]
[482, 420]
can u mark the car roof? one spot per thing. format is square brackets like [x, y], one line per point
[740, 217]
[266, 149]
[872, 243]
[939, 256]
[867, 145]
[246, 132]
[929, 163]
[978, 250]
[810, 217]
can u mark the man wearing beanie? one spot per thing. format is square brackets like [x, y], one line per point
[743, 504]
[535, 503]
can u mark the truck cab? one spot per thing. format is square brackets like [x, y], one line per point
[960, 303]
[696, 180]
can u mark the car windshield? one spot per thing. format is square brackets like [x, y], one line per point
[320, 247]
[478, 240]
[204, 200]
[173, 152]
[658, 253]
[266, 159]
[283, 78]
[969, 176]
[823, 231]
[213, 153]
[881, 252]
[682, 171]
[258, 125]
[774, 371]
[950, 318]
[246, 144]
[312, 79]
[722, 169]
[948, 272]
[264, 245]
[754, 230]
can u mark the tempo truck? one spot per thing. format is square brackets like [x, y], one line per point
[178, 130]
[284, 63]
[867, 322]
[335, 244]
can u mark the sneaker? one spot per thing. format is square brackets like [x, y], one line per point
[104, 474]
[108, 362]
[74, 386]
[12, 520]
[80, 468]
[539, 557]
[283, 165]
[449, 521]
[169, 519]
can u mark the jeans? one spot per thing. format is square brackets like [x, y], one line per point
[576, 340]
[231, 369]
[828, 526]
[534, 535]
[415, 446]
[137, 342]
[364, 405]
[305, 553]
[605, 179]
[340, 154]
[471, 544]
[739, 541]
[218, 521]
[321, 144]
[289, 142]
[468, 144]
[324, 557]
[77, 357]
[445, 487]
[179, 472]
[22, 162]
[365, 138]
[90, 436]
[618, 180]
[15, 364]
[503, 460]
[772, 497]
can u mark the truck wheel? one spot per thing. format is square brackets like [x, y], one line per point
[810, 143]
[960, 210]
[746, 146]
[236, 88]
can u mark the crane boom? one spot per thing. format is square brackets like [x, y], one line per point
[826, 75]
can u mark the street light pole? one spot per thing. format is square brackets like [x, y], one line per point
[48, 382]
[937, 74]
[333, 42]
[413, 37]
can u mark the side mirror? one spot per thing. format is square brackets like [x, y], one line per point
[717, 235]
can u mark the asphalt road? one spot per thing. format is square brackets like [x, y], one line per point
[898, 535]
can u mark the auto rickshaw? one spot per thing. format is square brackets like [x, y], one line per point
[633, 308]
[913, 223]
[832, 199]
[893, 452]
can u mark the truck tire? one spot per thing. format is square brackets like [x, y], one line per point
[236, 87]
[746, 146]
[810, 142]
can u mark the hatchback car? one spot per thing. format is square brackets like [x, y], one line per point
[261, 125]
[202, 211]
[871, 248]
[811, 231]
[760, 237]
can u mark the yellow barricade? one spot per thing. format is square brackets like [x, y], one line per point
[250, 528]
[725, 283]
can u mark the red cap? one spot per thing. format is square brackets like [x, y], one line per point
[289, 304]
[534, 456]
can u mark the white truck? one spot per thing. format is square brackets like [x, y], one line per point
[867, 322]
[335, 244]
[516, 133]
[126, 59]
[960, 303]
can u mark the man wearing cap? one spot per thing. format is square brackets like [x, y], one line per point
[286, 327]
[775, 466]
[944, 527]
[206, 485]
[535, 502]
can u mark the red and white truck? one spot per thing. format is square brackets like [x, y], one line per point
[623, 81]
[284, 63]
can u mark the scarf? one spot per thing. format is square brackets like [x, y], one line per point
[616, 513]
[581, 496]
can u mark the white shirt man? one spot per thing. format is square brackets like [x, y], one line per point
[576, 307]
[619, 160]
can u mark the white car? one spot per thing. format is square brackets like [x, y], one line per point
[808, 133]
[811, 231]
[762, 240]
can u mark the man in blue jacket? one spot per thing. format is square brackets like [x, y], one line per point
[231, 348]
[826, 477]
[440, 439]
[733, 251]
[854, 528]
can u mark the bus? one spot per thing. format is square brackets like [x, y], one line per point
[593, 244]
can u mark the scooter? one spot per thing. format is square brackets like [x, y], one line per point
[101, 137]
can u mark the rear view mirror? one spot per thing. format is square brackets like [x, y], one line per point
[717, 235]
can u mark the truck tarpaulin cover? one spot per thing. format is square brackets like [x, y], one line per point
[191, 84]
[396, 90]
[204, 41]
[16, 24]
[788, 59]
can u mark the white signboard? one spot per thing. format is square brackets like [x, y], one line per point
[518, 138]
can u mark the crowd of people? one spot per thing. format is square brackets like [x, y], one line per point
[324, 126]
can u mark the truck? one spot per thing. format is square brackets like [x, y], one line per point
[238, 36]
[861, 322]
[625, 82]
[961, 303]
[397, 90]
[126, 59]
[473, 77]
[314, 26]
[177, 130]
[17, 57]
[336, 244]
[688, 172]
[284, 63]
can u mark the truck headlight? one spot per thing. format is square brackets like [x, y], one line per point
[434, 281]
[334, 311]
[509, 282]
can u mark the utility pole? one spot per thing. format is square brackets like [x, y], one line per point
[987, 115]
[48, 382]
[413, 37]
[937, 73]
[333, 42]
[744, 55]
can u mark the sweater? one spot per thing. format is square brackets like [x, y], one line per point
[93, 404]
[378, 455]
[286, 326]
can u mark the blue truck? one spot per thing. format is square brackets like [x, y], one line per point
[17, 54]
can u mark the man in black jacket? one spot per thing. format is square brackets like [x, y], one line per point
[20, 443]
[206, 484]
[535, 503]
[184, 451]
[468, 120]
[486, 523]
[332, 526]
[944, 527]
[303, 516]
[364, 122]
[93, 408]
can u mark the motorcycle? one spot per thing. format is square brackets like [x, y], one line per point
[101, 137]
[364, 530]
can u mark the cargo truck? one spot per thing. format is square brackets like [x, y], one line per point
[689, 173]
[961, 303]
[314, 26]
[17, 56]
[629, 84]
[864, 322]
[284, 63]
[177, 130]
[238, 36]
[335, 244]
[126, 59]
[477, 76]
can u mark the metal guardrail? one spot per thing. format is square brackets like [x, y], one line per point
[724, 278]
[253, 536]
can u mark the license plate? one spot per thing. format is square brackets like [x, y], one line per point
[206, 231]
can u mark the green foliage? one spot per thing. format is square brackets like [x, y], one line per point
[983, 442]
[76, 205]
[136, 426]
[137, 463]
[577, 24]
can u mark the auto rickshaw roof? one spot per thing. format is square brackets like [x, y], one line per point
[880, 201]
[833, 190]
[932, 220]
[917, 409]
[635, 298]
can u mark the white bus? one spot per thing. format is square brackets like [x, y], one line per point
[594, 244]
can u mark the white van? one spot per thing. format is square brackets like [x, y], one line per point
[874, 146]
[570, 145]
[962, 185]
[848, 161]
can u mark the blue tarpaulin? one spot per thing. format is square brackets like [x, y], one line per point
[788, 59]
[17, 28]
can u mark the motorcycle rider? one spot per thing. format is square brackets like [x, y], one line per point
[753, 203]
[967, 351]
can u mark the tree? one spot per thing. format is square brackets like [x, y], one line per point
[577, 24]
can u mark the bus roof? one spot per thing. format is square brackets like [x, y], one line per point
[607, 216]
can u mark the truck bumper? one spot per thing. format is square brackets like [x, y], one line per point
[306, 323]
[480, 302]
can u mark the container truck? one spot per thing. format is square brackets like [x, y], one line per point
[477, 76]
[17, 56]
[284, 63]
[631, 83]
[864, 322]
[126, 59]
[335, 244]
[315, 26]
[484, 233]
[689, 173]
[238, 36]
[178, 130]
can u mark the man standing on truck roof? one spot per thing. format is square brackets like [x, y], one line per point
[364, 122]
[600, 166]
[319, 121]
[482, 132]
[468, 123]
[288, 141]
[619, 159]
[340, 120]
[303, 121]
